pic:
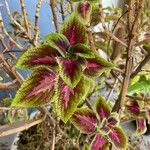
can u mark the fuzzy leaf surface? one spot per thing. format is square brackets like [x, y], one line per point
[84, 120]
[83, 11]
[141, 126]
[102, 108]
[67, 99]
[96, 66]
[59, 42]
[74, 30]
[118, 138]
[43, 55]
[70, 70]
[82, 51]
[37, 89]
[100, 143]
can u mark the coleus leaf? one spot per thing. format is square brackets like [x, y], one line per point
[85, 120]
[148, 114]
[70, 70]
[83, 11]
[113, 120]
[43, 55]
[96, 66]
[133, 107]
[82, 50]
[102, 109]
[100, 143]
[36, 90]
[74, 30]
[67, 99]
[59, 42]
[118, 138]
[141, 126]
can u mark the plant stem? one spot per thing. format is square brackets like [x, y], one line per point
[131, 41]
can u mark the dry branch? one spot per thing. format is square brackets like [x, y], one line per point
[16, 127]
[24, 14]
[7, 34]
[53, 5]
[36, 27]
[106, 29]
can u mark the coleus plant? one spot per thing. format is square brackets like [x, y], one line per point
[101, 122]
[60, 67]
[84, 9]
[135, 109]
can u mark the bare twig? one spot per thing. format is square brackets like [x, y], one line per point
[24, 14]
[142, 64]
[5, 48]
[106, 29]
[128, 70]
[36, 28]
[17, 24]
[62, 10]
[19, 126]
[7, 35]
[112, 90]
[8, 85]
[53, 4]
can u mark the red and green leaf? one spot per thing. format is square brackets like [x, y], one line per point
[85, 120]
[70, 70]
[133, 107]
[96, 66]
[148, 114]
[102, 109]
[118, 138]
[113, 120]
[43, 55]
[67, 99]
[37, 89]
[141, 126]
[100, 143]
[83, 11]
[74, 30]
[59, 42]
[82, 51]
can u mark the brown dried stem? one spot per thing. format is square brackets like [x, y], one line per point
[53, 5]
[17, 24]
[7, 35]
[36, 27]
[24, 14]
[132, 29]
[106, 29]
[16, 127]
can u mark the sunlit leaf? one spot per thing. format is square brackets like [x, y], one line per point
[141, 126]
[96, 66]
[102, 108]
[82, 50]
[36, 90]
[59, 42]
[74, 30]
[67, 99]
[133, 107]
[118, 138]
[70, 70]
[83, 11]
[43, 55]
[85, 120]
[100, 143]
